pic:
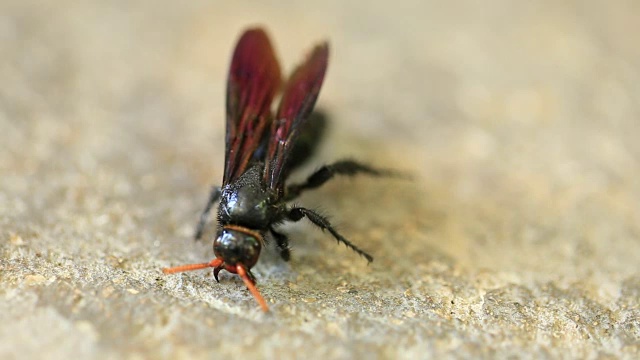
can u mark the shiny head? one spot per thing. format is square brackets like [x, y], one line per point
[237, 250]
[238, 245]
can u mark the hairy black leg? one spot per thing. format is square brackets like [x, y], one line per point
[297, 213]
[325, 173]
[213, 197]
[283, 244]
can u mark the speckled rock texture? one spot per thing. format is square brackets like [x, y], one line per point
[518, 234]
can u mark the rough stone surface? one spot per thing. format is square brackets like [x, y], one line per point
[518, 236]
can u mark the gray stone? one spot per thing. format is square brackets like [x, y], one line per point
[517, 236]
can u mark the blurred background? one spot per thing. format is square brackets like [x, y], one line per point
[518, 232]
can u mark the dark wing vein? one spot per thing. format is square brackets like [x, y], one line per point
[254, 79]
[298, 99]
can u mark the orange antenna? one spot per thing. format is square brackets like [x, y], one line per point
[190, 267]
[252, 287]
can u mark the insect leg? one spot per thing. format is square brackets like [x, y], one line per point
[283, 244]
[297, 213]
[325, 173]
[213, 197]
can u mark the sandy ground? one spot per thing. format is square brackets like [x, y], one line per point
[518, 235]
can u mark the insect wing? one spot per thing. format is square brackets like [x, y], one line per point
[254, 79]
[298, 99]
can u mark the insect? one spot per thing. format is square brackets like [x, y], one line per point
[261, 150]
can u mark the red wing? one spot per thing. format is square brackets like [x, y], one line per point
[254, 79]
[298, 99]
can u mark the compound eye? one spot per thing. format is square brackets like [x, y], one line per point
[238, 246]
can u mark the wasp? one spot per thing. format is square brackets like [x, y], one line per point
[261, 149]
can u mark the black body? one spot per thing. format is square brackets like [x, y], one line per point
[261, 149]
[248, 204]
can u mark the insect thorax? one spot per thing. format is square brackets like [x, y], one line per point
[246, 202]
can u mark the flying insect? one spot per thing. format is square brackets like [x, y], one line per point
[261, 150]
